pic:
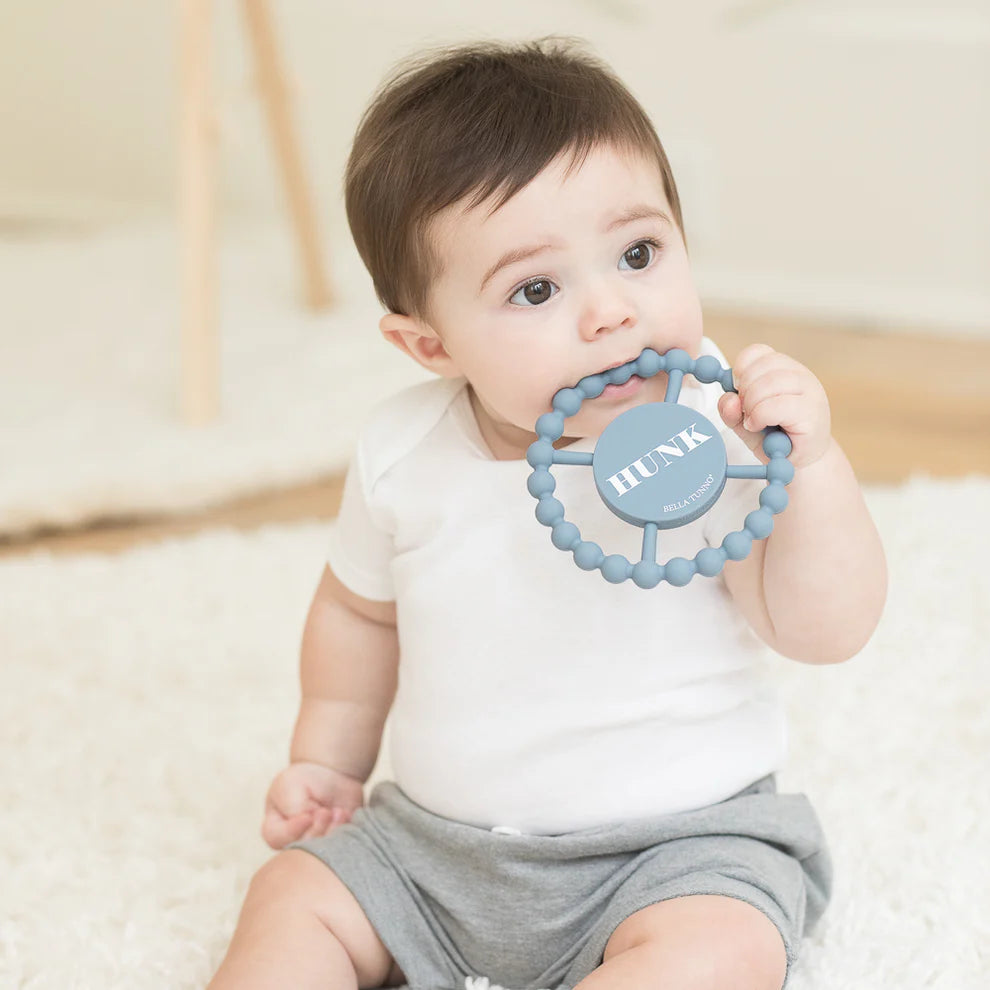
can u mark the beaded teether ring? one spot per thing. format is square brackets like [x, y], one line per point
[658, 466]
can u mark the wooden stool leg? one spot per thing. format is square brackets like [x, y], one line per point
[200, 390]
[271, 81]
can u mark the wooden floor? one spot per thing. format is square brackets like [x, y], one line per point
[902, 403]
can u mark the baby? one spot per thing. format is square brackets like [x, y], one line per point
[584, 791]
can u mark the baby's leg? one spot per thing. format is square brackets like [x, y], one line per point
[700, 942]
[301, 927]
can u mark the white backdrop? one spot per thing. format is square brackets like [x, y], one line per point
[832, 154]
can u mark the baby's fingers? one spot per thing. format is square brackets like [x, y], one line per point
[278, 831]
[319, 823]
[325, 820]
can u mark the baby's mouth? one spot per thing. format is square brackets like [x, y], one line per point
[616, 382]
[623, 391]
[622, 382]
[621, 364]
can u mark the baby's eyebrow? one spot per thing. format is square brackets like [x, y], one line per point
[642, 211]
[514, 255]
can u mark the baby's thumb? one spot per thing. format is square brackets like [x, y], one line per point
[730, 409]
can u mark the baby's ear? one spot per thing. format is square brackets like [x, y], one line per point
[420, 341]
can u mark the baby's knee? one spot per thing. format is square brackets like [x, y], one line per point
[705, 942]
[289, 877]
[296, 882]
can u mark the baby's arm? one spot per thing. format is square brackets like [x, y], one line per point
[815, 589]
[349, 674]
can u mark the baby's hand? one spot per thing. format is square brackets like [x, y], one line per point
[775, 390]
[306, 800]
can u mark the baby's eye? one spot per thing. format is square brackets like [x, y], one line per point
[533, 293]
[639, 255]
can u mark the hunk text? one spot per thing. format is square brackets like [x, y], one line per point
[656, 458]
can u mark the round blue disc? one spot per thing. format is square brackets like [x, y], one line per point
[660, 463]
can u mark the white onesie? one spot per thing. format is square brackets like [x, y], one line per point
[534, 695]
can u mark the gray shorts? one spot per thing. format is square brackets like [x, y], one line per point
[455, 902]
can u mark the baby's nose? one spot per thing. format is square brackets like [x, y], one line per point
[606, 308]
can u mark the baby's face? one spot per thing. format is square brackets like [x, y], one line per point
[575, 274]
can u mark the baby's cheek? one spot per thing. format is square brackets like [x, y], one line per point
[521, 407]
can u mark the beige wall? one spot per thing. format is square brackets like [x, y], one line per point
[832, 156]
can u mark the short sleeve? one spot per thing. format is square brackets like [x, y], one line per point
[361, 548]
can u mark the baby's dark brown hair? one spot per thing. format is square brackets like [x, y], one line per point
[474, 122]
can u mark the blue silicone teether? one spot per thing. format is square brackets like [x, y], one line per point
[657, 466]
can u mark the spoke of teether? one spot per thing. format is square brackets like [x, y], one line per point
[674, 379]
[746, 471]
[566, 457]
[650, 543]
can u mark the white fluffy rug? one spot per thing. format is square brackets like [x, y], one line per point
[89, 381]
[147, 698]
